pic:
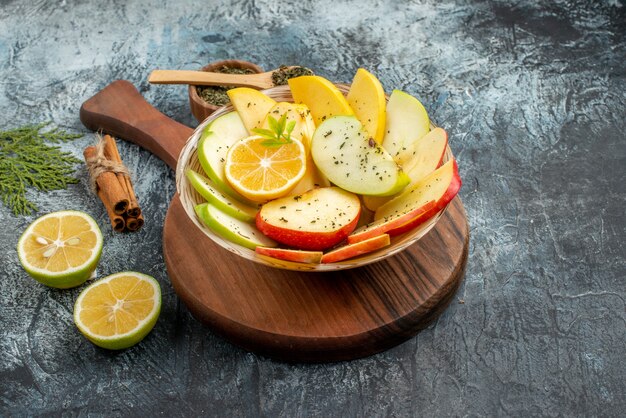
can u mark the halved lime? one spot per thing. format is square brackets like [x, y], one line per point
[61, 249]
[119, 310]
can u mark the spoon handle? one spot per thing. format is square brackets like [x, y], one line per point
[204, 78]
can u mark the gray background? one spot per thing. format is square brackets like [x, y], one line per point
[534, 99]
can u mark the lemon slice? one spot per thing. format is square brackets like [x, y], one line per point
[119, 310]
[61, 249]
[260, 172]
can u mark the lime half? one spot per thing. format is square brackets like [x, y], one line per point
[61, 249]
[119, 310]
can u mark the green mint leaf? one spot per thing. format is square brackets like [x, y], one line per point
[266, 133]
[281, 125]
[272, 143]
[273, 124]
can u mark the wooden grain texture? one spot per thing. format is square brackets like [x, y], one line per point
[318, 317]
[289, 315]
[121, 111]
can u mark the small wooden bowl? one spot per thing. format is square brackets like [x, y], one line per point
[200, 108]
[190, 198]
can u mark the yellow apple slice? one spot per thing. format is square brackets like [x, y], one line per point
[367, 98]
[426, 155]
[252, 106]
[321, 96]
[407, 121]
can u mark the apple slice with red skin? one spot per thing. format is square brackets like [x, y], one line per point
[425, 157]
[358, 248]
[440, 187]
[298, 256]
[315, 220]
[383, 226]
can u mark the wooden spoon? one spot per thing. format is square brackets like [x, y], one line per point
[205, 78]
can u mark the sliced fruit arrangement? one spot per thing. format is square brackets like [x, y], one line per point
[407, 121]
[425, 156]
[213, 146]
[287, 179]
[297, 113]
[321, 97]
[356, 249]
[297, 256]
[367, 98]
[251, 105]
[118, 311]
[261, 172]
[61, 249]
[315, 220]
[389, 226]
[232, 229]
[206, 188]
[350, 159]
[440, 187]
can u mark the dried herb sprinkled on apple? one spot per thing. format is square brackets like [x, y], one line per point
[315, 220]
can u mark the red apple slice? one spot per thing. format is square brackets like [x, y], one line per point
[422, 158]
[298, 256]
[315, 220]
[383, 226]
[440, 187]
[352, 250]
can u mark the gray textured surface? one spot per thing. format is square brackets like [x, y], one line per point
[534, 99]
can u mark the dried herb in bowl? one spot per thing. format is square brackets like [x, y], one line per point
[216, 95]
[284, 73]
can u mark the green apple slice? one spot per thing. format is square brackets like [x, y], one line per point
[232, 229]
[213, 146]
[205, 187]
[345, 154]
[407, 121]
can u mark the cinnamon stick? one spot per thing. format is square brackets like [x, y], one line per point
[134, 223]
[117, 221]
[112, 184]
[110, 193]
[112, 153]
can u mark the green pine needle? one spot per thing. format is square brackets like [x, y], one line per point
[27, 161]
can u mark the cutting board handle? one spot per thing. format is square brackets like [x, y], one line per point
[120, 110]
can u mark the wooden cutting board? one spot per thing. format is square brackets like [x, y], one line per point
[288, 315]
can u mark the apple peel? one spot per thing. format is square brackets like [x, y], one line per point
[391, 227]
[359, 248]
[297, 256]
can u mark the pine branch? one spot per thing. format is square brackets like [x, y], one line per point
[28, 161]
